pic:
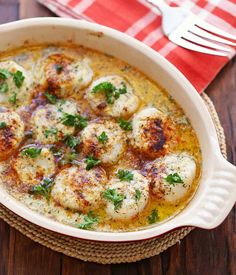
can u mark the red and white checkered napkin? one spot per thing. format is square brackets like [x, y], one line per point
[135, 18]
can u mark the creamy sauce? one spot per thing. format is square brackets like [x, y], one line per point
[183, 137]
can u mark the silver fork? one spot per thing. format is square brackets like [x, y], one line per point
[189, 31]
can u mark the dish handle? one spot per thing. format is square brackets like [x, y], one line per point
[220, 196]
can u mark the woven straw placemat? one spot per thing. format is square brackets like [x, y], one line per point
[106, 253]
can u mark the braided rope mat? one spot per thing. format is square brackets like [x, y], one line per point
[106, 253]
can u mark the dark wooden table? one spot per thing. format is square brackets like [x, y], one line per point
[202, 252]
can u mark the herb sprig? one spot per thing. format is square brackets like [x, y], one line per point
[71, 141]
[89, 220]
[112, 196]
[125, 175]
[91, 162]
[31, 152]
[153, 217]
[172, 179]
[110, 91]
[3, 125]
[74, 120]
[103, 138]
[43, 189]
[125, 125]
[53, 131]
[50, 97]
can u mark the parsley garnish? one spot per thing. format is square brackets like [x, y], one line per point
[12, 99]
[68, 158]
[49, 132]
[137, 194]
[31, 152]
[89, 220]
[51, 98]
[43, 189]
[4, 74]
[125, 175]
[3, 125]
[103, 138]
[71, 141]
[74, 120]
[125, 125]
[58, 68]
[91, 162]
[110, 91]
[18, 78]
[114, 197]
[4, 88]
[172, 179]
[153, 217]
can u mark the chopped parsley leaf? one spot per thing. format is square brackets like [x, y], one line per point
[172, 179]
[58, 68]
[74, 120]
[71, 141]
[43, 189]
[125, 175]
[49, 132]
[4, 88]
[4, 74]
[110, 91]
[12, 99]
[3, 125]
[91, 162]
[50, 97]
[153, 217]
[103, 138]
[125, 125]
[18, 78]
[112, 196]
[137, 194]
[31, 152]
[89, 220]
[69, 157]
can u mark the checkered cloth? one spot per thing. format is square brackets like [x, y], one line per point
[135, 17]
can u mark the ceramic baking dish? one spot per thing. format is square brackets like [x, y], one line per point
[216, 194]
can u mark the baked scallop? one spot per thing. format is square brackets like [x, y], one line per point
[126, 199]
[15, 85]
[149, 134]
[113, 96]
[65, 76]
[11, 132]
[33, 164]
[47, 124]
[105, 140]
[172, 176]
[77, 189]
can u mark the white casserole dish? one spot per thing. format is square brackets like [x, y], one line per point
[216, 194]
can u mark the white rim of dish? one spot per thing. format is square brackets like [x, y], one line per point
[213, 206]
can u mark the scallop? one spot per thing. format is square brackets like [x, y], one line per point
[64, 75]
[172, 176]
[123, 101]
[15, 85]
[47, 123]
[134, 196]
[149, 134]
[105, 140]
[33, 164]
[78, 189]
[11, 132]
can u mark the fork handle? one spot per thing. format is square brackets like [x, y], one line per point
[160, 4]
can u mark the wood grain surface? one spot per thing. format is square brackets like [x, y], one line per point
[202, 252]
